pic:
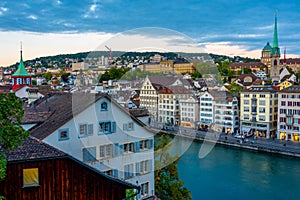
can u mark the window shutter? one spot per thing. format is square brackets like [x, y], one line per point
[115, 173]
[150, 165]
[125, 127]
[151, 143]
[137, 168]
[137, 146]
[115, 150]
[113, 127]
[89, 154]
[121, 149]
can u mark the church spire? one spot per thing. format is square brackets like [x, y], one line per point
[275, 39]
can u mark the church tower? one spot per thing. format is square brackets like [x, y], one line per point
[21, 77]
[275, 56]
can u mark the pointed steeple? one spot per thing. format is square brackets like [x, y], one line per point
[275, 38]
[284, 60]
[21, 71]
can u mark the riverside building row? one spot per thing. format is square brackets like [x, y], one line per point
[263, 110]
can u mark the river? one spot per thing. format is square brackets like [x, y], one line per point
[230, 173]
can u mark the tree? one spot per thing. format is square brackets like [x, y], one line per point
[167, 182]
[234, 88]
[11, 132]
[47, 75]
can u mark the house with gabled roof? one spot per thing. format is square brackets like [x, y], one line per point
[96, 130]
[37, 171]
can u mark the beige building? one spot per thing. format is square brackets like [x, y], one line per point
[189, 112]
[164, 91]
[168, 67]
[258, 111]
[77, 66]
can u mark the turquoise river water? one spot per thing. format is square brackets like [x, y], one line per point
[230, 173]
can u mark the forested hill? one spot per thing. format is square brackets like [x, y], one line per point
[65, 60]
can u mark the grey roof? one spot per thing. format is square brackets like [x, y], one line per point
[64, 106]
[32, 149]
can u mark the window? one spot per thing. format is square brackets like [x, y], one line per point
[89, 154]
[145, 189]
[105, 151]
[246, 102]
[262, 102]
[82, 130]
[262, 110]
[30, 177]
[106, 127]
[246, 109]
[262, 118]
[283, 103]
[90, 129]
[86, 129]
[128, 171]
[144, 145]
[246, 95]
[103, 106]
[63, 134]
[246, 117]
[145, 166]
[128, 126]
[129, 147]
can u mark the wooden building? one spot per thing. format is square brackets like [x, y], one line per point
[38, 171]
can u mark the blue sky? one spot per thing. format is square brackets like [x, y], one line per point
[218, 24]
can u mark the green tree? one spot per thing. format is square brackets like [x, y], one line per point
[47, 75]
[168, 185]
[234, 88]
[11, 131]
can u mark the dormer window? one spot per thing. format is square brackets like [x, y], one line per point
[103, 106]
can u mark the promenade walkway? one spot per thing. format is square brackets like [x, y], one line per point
[254, 143]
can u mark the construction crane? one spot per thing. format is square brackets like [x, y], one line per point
[110, 54]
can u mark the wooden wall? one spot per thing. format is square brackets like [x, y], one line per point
[60, 179]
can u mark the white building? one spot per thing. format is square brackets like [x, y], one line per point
[150, 98]
[101, 133]
[206, 110]
[289, 114]
[225, 112]
[189, 112]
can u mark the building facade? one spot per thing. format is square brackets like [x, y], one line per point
[206, 111]
[258, 111]
[189, 112]
[289, 114]
[99, 132]
[225, 112]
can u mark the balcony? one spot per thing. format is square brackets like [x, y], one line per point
[253, 119]
[254, 112]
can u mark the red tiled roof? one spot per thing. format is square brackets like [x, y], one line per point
[249, 65]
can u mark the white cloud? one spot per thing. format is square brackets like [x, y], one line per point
[93, 8]
[3, 10]
[227, 48]
[58, 2]
[33, 17]
[44, 44]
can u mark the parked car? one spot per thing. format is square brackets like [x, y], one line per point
[239, 135]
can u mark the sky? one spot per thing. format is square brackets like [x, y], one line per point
[228, 27]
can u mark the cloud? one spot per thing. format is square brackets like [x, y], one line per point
[3, 10]
[268, 27]
[33, 17]
[58, 2]
[37, 44]
[93, 7]
[230, 49]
